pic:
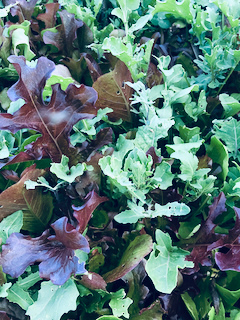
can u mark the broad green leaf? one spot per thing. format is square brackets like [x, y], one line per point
[189, 303]
[219, 154]
[213, 315]
[229, 132]
[53, 301]
[163, 175]
[187, 133]
[229, 297]
[62, 170]
[120, 306]
[4, 288]
[177, 9]
[135, 252]
[189, 164]
[163, 263]
[10, 224]
[17, 295]
[230, 105]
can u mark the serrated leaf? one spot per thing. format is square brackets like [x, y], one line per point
[137, 212]
[10, 224]
[53, 301]
[56, 253]
[163, 263]
[53, 120]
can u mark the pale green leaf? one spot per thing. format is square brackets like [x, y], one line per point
[177, 9]
[163, 175]
[230, 105]
[19, 296]
[229, 132]
[29, 281]
[62, 170]
[163, 263]
[53, 301]
[120, 306]
[10, 224]
[4, 289]
[21, 44]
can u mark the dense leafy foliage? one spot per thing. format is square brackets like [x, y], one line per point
[119, 159]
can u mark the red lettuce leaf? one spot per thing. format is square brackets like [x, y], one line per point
[113, 92]
[205, 237]
[231, 259]
[54, 120]
[23, 9]
[49, 17]
[66, 33]
[84, 213]
[37, 206]
[55, 253]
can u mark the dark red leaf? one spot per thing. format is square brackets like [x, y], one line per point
[23, 9]
[84, 213]
[4, 316]
[93, 67]
[114, 93]
[54, 120]
[66, 33]
[201, 253]
[93, 281]
[152, 153]
[49, 17]
[231, 259]
[55, 253]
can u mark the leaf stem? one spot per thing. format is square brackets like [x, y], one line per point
[226, 79]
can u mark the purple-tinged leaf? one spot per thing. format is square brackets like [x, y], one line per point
[4, 316]
[135, 252]
[93, 281]
[66, 33]
[55, 253]
[152, 153]
[23, 9]
[103, 137]
[54, 120]
[84, 213]
[113, 93]
[201, 253]
[49, 17]
[231, 259]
